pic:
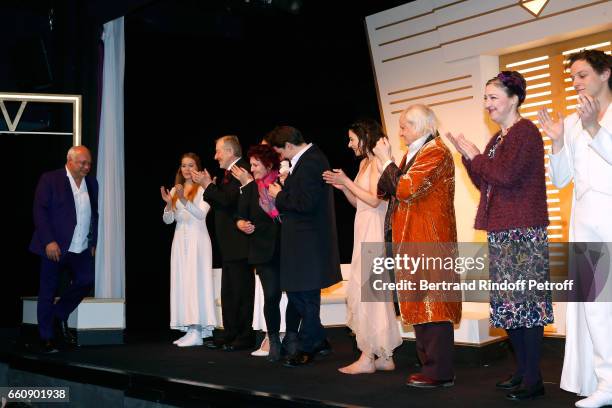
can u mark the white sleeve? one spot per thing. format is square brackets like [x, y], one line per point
[561, 167]
[387, 163]
[602, 144]
[198, 208]
[168, 216]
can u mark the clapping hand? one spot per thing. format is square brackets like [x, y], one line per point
[274, 189]
[463, 146]
[588, 110]
[241, 175]
[553, 128]
[282, 177]
[180, 191]
[382, 150]
[202, 178]
[336, 178]
[166, 195]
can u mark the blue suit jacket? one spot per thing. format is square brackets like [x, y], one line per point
[55, 211]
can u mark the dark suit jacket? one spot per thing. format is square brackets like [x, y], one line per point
[309, 244]
[223, 198]
[55, 212]
[264, 242]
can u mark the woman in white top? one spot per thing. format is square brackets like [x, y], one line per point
[192, 305]
[373, 322]
[582, 151]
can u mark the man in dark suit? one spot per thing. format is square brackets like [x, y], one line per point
[65, 235]
[237, 277]
[309, 246]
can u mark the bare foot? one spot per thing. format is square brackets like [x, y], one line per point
[265, 344]
[365, 365]
[383, 364]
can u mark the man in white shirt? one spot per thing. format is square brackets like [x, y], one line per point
[66, 225]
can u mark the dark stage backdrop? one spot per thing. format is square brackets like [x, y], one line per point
[183, 90]
[194, 71]
[39, 54]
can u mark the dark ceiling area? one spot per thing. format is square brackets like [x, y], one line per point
[49, 45]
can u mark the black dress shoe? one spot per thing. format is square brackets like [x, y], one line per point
[47, 347]
[510, 383]
[323, 348]
[64, 334]
[238, 345]
[302, 358]
[214, 344]
[527, 393]
[289, 344]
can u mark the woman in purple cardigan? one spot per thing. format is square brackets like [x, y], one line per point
[513, 211]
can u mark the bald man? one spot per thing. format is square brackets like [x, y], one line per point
[66, 230]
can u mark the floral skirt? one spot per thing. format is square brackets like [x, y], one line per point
[519, 255]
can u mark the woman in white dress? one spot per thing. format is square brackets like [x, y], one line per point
[374, 323]
[582, 151]
[192, 305]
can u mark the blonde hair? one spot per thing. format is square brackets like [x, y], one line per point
[424, 119]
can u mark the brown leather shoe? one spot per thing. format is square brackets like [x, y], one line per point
[419, 380]
[302, 358]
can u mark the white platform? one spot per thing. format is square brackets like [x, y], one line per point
[109, 314]
[92, 313]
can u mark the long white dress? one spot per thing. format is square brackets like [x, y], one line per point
[587, 365]
[192, 300]
[374, 323]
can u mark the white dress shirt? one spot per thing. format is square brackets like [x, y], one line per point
[229, 168]
[296, 158]
[83, 215]
[412, 150]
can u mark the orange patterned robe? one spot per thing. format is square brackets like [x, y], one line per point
[422, 194]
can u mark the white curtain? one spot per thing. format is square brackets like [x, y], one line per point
[110, 256]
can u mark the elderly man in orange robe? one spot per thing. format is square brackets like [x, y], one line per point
[421, 221]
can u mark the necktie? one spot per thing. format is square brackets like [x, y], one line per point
[227, 176]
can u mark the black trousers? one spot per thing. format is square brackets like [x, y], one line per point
[82, 268]
[237, 299]
[308, 306]
[435, 346]
[292, 318]
[269, 275]
[527, 345]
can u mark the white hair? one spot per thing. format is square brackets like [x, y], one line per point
[424, 119]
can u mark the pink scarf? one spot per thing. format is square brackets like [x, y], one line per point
[266, 201]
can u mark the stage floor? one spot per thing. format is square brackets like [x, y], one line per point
[149, 367]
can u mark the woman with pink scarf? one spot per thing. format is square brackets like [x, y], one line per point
[258, 217]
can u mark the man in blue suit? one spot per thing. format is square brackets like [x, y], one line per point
[65, 236]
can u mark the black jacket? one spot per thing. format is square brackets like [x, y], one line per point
[309, 244]
[223, 198]
[264, 242]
